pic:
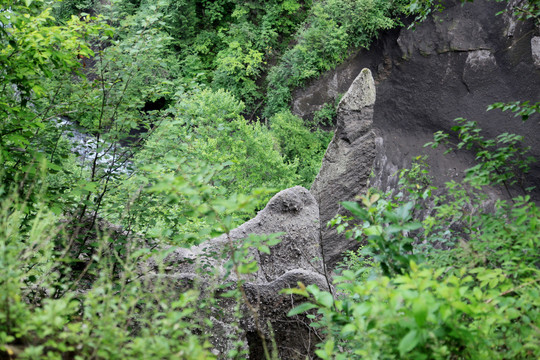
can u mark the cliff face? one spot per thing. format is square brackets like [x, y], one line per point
[450, 66]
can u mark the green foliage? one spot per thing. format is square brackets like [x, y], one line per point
[423, 9]
[427, 314]
[299, 145]
[234, 45]
[33, 50]
[104, 103]
[360, 262]
[476, 293]
[392, 246]
[72, 287]
[63, 10]
[521, 108]
[499, 160]
[326, 116]
[112, 309]
[207, 144]
[115, 318]
[225, 43]
[236, 70]
[69, 289]
[526, 10]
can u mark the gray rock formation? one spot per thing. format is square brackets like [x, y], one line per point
[293, 212]
[535, 49]
[348, 161]
[295, 339]
[449, 67]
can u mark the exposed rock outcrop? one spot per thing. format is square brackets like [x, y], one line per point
[535, 50]
[293, 212]
[450, 66]
[348, 161]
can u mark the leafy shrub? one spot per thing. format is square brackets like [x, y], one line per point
[205, 133]
[236, 70]
[71, 288]
[44, 314]
[360, 262]
[300, 145]
[474, 298]
[63, 10]
[32, 51]
[427, 314]
[111, 307]
[326, 116]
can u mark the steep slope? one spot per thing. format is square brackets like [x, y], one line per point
[451, 66]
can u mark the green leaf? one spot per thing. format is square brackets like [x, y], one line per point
[325, 299]
[408, 342]
[412, 226]
[264, 249]
[301, 309]
[420, 311]
[355, 209]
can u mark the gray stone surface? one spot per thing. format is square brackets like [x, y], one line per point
[510, 19]
[449, 67]
[361, 93]
[348, 161]
[294, 337]
[293, 212]
[535, 50]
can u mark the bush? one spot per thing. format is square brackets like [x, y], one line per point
[474, 297]
[300, 145]
[207, 133]
[47, 311]
[427, 314]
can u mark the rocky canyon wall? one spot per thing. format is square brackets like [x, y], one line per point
[453, 65]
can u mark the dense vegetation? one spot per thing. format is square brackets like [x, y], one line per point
[440, 276]
[172, 120]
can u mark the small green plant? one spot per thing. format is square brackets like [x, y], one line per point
[427, 314]
[105, 312]
[300, 145]
[326, 116]
[521, 108]
[391, 246]
[360, 262]
[416, 183]
[499, 159]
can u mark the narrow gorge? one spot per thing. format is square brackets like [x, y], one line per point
[453, 65]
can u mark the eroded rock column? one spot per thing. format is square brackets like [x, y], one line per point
[347, 163]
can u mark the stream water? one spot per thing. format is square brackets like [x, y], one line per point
[110, 156]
